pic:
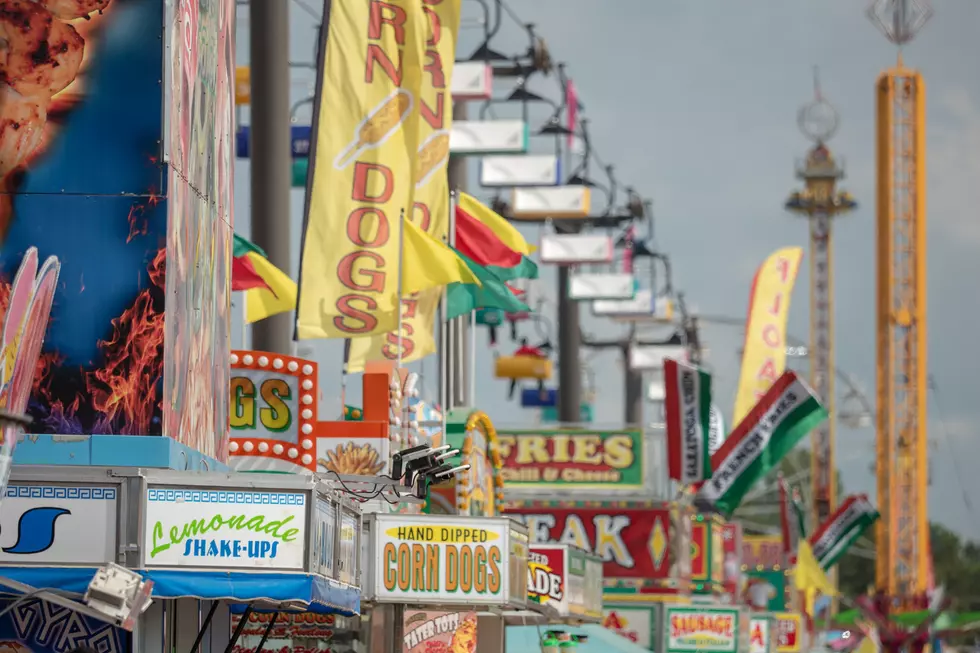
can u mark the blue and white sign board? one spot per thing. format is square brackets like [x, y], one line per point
[231, 529]
[41, 627]
[299, 141]
[58, 524]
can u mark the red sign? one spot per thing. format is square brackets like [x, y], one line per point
[633, 542]
[731, 545]
[700, 532]
[545, 575]
[788, 632]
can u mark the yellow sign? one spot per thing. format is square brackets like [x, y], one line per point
[366, 140]
[446, 561]
[243, 85]
[788, 632]
[764, 354]
[434, 115]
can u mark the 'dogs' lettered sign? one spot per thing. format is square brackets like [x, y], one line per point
[440, 560]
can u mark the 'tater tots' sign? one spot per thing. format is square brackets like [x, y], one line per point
[193, 527]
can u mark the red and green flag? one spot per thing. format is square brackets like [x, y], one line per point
[784, 415]
[268, 290]
[462, 298]
[477, 237]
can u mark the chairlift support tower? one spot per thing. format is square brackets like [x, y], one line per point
[820, 202]
[902, 537]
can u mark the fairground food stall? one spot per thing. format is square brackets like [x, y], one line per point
[450, 571]
[564, 586]
[206, 540]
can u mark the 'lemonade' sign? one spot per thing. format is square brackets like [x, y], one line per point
[690, 630]
[441, 562]
[222, 528]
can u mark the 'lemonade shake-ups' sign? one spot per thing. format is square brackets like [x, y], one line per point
[440, 561]
[224, 528]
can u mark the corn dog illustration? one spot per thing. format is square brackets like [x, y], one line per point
[432, 157]
[383, 121]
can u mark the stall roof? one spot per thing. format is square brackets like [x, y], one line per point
[311, 592]
[527, 639]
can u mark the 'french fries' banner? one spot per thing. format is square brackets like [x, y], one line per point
[434, 114]
[365, 143]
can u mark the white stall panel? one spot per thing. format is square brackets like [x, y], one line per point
[472, 80]
[601, 285]
[643, 307]
[565, 249]
[551, 202]
[488, 137]
[651, 357]
[528, 170]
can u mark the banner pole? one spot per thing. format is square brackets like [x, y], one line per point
[472, 353]
[401, 281]
[245, 320]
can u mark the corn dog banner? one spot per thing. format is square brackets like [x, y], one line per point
[842, 529]
[364, 144]
[434, 115]
[786, 413]
[688, 413]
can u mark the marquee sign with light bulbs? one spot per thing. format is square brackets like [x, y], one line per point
[273, 412]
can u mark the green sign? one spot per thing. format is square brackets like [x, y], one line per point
[637, 622]
[572, 459]
[693, 629]
[766, 590]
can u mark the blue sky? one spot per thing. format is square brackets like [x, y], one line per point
[695, 103]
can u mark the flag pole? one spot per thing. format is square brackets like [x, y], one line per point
[472, 383]
[398, 363]
[444, 330]
[244, 319]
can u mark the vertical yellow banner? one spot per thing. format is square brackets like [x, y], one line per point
[431, 209]
[764, 354]
[365, 142]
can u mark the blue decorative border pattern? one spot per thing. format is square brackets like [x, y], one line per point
[174, 495]
[95, 493]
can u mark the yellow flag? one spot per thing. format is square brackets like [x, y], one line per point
[430, 263]
[809, 578]
[502, 229]
[433, 118]
[366, 141]
[764, 354]
[279, 297]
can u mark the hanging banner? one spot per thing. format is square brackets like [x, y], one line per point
[787, 412]
[365, 143]
[764, 354]
[716, 430]
[431, 210]
[636, 623]
[688, 414]
[835, 536]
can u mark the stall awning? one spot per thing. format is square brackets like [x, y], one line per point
[308, 591]
[527, 639]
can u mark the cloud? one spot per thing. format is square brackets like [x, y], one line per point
[953, 167]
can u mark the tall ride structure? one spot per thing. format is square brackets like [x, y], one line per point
[820, 202]
[902, 537]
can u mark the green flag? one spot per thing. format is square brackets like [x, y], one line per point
[494, 293]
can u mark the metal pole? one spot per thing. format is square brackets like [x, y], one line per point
[458, 329]
[633, 393]
[569, 361]
[270, 153]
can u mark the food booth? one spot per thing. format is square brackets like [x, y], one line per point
[207, 540]
[439, 576]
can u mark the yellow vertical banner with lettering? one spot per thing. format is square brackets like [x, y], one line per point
[364, 145]
[434, 113]
[764, 354]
